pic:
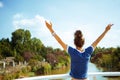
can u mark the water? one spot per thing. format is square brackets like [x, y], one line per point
[92, 68]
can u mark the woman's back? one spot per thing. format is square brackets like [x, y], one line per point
[79, 62]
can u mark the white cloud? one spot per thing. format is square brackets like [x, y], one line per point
[1, 5]
[36, 26]
[20, 22]
[18, 16]
[42, 19]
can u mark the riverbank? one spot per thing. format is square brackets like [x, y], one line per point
[94, 68]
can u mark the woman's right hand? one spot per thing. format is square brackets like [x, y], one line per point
[49, 25]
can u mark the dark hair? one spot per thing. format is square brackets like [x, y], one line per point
[78, 39]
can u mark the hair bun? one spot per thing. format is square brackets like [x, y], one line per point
[78, 40]
[78, 33]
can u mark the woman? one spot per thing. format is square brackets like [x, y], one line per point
[79, 56]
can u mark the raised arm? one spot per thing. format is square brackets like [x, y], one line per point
[94, 44]
[49, 26]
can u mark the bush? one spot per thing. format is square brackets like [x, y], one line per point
[8, 76]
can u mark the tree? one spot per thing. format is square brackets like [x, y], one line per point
[51, 58]
[27, 55]
[36, 45]
[116, 59]
[20, 40]
[5, 48]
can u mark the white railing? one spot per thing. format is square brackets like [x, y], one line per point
[64, 76]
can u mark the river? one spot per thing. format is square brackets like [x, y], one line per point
[92, 68]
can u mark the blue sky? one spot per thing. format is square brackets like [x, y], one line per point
[90, 16]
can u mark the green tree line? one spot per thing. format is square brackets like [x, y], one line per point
[107, 59]
[24, 48]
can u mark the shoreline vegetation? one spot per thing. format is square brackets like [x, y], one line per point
[32, 58]
[107, 59]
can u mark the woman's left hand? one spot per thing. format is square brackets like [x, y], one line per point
[109, 27]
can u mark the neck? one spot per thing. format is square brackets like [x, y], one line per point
[79, 48]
